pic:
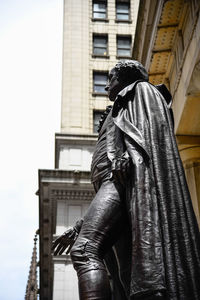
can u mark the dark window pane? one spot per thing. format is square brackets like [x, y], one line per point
[100, 78]
[100, 45]
[124, 46]
[99, 10]
[99, 89]
[122, 17]
[124, 43]
[122, 8]
[97, 15]
[99, 7]
[99, 41]
[99, 82]
[99, 51]
[122, 11]
[122, 52]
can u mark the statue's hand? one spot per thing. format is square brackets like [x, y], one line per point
[121, 168]
[65, 241]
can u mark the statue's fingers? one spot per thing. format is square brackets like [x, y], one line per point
[63, 249]
[68, 231]
[56, 243]
[69, 248]
[74, 237]
[53, 246]
[58, 249]
[71, 235]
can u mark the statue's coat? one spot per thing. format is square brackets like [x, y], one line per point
[165, 237]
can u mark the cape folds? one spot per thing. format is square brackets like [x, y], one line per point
[165, 235]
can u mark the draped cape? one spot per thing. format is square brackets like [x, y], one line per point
[165, 245]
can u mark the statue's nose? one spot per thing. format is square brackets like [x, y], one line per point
[106, 87]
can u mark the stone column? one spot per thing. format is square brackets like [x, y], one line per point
[190, 156]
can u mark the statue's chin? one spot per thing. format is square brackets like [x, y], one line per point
[111, 98]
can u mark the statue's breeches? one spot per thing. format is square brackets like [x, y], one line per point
[99, 231]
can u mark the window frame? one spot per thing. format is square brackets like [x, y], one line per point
[123, 37]
[94, 92]
[93, 10]
[128, 20]
[96, 36]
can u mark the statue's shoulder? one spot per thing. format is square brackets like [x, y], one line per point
[144, 85]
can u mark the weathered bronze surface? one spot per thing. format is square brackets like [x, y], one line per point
[141, 222]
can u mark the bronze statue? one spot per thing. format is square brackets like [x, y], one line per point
[141, 222]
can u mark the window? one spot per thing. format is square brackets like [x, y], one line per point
[122, 11]
[69, 213]
[99, 9]
[99, 82]
[75, 157]
[100, 45]
[124, 46]
[74, 214]
[96, 118]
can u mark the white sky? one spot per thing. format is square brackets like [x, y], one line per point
[30, 95]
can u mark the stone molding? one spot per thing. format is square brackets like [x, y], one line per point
[72, 195]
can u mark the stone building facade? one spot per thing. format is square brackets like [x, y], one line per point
[91, 46]
[96, 34]
[167, 42]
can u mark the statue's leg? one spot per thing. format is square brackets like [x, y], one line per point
[102, 225]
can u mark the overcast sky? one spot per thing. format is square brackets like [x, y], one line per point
[30, 95]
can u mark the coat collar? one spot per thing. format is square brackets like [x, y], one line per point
[129, 90]
[122, 96]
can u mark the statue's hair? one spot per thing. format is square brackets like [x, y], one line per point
[130, 71]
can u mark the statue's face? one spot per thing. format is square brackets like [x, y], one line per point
[114, 85]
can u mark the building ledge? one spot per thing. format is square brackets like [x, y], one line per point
[100, 56]
[123, 57]
[123, 21]
[76, 137]
[100, 20]
[99, 94]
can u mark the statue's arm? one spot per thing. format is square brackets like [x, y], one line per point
[67, 239]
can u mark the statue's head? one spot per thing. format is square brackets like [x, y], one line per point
[123, 74]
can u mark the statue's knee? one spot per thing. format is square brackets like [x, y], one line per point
[85, 256]
[78, 253]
